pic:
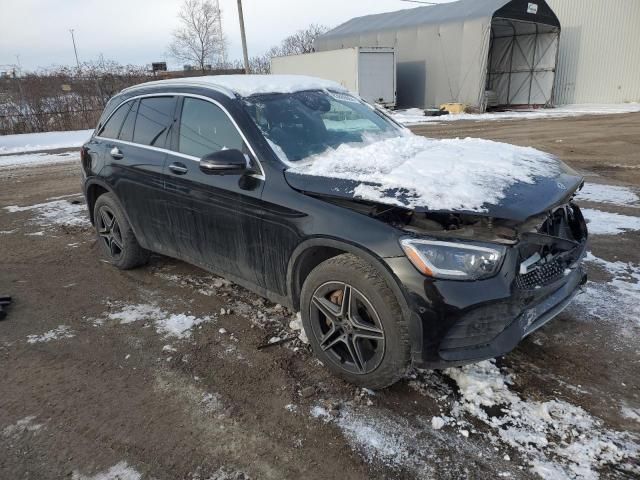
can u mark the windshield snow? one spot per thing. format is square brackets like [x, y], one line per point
[302, 124]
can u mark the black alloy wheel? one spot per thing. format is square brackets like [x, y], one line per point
[348, 327]
[110, 233]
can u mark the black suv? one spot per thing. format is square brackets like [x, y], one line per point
[207, 170]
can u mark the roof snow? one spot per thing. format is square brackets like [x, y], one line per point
[247, 85]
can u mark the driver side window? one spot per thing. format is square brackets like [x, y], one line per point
[205, 128]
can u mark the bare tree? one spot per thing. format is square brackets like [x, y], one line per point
[296, 44]
[199, 40]
[301, 41]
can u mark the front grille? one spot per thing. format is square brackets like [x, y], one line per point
[567, 226]
[544, 275]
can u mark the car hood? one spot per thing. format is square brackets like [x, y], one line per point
[519, 201]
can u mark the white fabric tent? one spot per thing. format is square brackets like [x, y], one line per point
[483, 53]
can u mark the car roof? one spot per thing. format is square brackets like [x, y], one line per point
[247, 85]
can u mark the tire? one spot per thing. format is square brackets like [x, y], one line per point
[379, 354]
[115, 236]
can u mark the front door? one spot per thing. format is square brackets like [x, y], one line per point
[214, 219]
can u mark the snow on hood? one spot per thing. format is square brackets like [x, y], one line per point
[450, 174]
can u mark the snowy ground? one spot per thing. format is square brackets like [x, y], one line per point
[416, 116]
[156, 373]
[31, 142]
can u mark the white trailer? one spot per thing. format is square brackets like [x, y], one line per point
[369, 72]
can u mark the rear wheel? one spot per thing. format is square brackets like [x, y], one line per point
[115, 236]
[354, 323]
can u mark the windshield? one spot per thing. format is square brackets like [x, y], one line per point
[299, 125]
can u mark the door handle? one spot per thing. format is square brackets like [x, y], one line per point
[178, 168]
[117, 153]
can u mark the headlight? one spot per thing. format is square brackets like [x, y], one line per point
[453, 261]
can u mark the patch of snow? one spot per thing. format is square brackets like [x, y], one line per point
[23, 425]
[57, 212]
[36, 159]
[416, 116]
[414, 171]
[437, 423]
[296, 326]
[167, 324]
[120, 471]
[56, 334]
[613, 194]
[29, 142]
[137, 313]
[605, 223]
[558, 439]
[247, 85]
[618, 299]
[179, 325]
[631, 413]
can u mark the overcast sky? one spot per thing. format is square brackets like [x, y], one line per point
[138, 31]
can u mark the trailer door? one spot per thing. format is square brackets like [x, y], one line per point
[377, 76]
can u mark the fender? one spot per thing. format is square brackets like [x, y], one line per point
[101, 183]
[414, 322]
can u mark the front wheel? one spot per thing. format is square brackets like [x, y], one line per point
[354, 323]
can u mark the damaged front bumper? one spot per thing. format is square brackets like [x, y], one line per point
[459, 322]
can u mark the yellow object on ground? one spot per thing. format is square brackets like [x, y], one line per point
[453, 108]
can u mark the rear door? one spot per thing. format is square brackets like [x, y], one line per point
[136, 165]
[214, 219]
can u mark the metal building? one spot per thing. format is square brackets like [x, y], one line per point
[599, 59]
[476, 52]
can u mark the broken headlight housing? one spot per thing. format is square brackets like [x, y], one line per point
[453, 260]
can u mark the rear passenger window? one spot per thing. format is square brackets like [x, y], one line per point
[205, 128]
[126, 132]
[153, 121]
[112, 127]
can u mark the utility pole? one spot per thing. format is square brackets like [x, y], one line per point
[244, 38]
[75, 50]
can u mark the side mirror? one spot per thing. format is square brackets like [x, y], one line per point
[224, 162]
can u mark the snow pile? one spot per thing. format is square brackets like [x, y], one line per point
[120, 471]
[247, 85]
[558, 439]
[56, 334]
[416, 116]
[10, 162]
[57, 212]
[30, 142]
[617, 299]
[605, 223]
[23, 425]
[598, 193]
[450, 174]
[167, 324]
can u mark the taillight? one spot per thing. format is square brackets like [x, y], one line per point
[83, 154]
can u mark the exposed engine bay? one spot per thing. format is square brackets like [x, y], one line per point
[548, 244]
